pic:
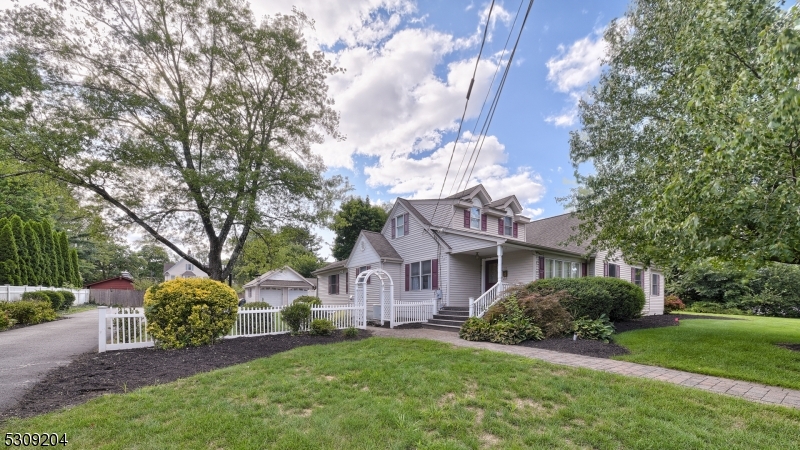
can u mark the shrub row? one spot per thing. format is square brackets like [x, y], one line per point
[28, 312]
[594, 297]
[59, 300]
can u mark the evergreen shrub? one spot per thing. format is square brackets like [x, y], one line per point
[189, 312]
[309, 300]
[29, 312]
[5, 320]
[594, 297]
[57, 299]
[296, 315]
[322, 327]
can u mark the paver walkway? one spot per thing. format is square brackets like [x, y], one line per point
[742, 389]
[27, 354]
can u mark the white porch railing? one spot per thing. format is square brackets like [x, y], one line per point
[479, 306]
[14, 293]
[413, 312]
[127, 329]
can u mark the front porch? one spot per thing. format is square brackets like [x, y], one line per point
[475, 271]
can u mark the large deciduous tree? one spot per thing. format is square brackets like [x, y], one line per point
[355, 214]
[694, 134]
[189, 119]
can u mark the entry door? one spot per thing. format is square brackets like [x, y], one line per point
[490, 274]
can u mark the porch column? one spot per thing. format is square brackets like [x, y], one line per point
[500, 264]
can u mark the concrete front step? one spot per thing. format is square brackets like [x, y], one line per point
[433, 326]
[455, 323]
[455, 308]
[449, 316]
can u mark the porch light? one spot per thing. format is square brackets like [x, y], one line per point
[476, 255]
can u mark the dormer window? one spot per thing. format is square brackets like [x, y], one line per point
[475, 215]
[401, 225]
[508, 226]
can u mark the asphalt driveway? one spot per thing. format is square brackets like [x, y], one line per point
[27, 354]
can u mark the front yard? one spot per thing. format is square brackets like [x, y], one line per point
[391, 393]
[743, 349]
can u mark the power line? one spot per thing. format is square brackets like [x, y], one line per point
[488, 91]
[493, 108]
[464, 113]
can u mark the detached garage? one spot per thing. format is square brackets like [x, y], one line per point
[278, 287]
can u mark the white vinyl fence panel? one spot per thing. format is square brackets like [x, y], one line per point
[127, 328]
[413, 312]
[14, 293]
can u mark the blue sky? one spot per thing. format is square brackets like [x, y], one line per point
[408, 66]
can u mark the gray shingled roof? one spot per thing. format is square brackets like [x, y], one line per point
[381, 245]
[331, 266]
[313, 282]
[553, 231]
[410, 208]
[284, 283]
[498, 203]
[465, 192]
[188, 274]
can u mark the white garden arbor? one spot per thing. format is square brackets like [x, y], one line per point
[386, 297]
[392, 311]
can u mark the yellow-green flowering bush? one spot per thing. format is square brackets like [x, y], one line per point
[189, 312]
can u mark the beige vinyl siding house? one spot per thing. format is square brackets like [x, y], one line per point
[455, 249]
[279, 287]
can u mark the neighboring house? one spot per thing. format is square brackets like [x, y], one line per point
[182, 269]
[469, 245]
[278, 287]
[123, 282]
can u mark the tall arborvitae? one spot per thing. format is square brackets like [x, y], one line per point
[26, 269]
[35, 250]
[50, 254]
[63, 250]
[73, 262]
[9, 258]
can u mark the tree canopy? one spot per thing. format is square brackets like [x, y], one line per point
[267, 250]
[354, 215]
[190, 120]
[692, 131]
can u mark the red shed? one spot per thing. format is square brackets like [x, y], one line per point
[122, 282]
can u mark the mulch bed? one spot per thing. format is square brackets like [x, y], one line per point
[95, 374]
[599, 349]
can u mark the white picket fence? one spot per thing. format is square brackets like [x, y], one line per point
[413, 312]
[10, 293]
[128, 328]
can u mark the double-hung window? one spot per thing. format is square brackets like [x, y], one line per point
[189, 267]
[655, 284]
[508, 226]
[420, 275]
[333, 284]
[638, 277]
[475, 218]
[613, 271]
[401, 225]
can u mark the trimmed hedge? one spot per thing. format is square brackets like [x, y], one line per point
[29, 312]
[69, 299]
[296, 315]
[593, 297]
[308, 300]
[189, 311]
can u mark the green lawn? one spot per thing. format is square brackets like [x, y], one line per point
[392, 393]
[741, 349]
[79, 308]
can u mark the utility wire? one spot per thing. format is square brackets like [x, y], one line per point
[490, 117]
[488, 91]
[464, 114]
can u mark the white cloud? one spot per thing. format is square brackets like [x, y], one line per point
[402, 91]
[532, 212]
[572, 70]
[576, 67]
